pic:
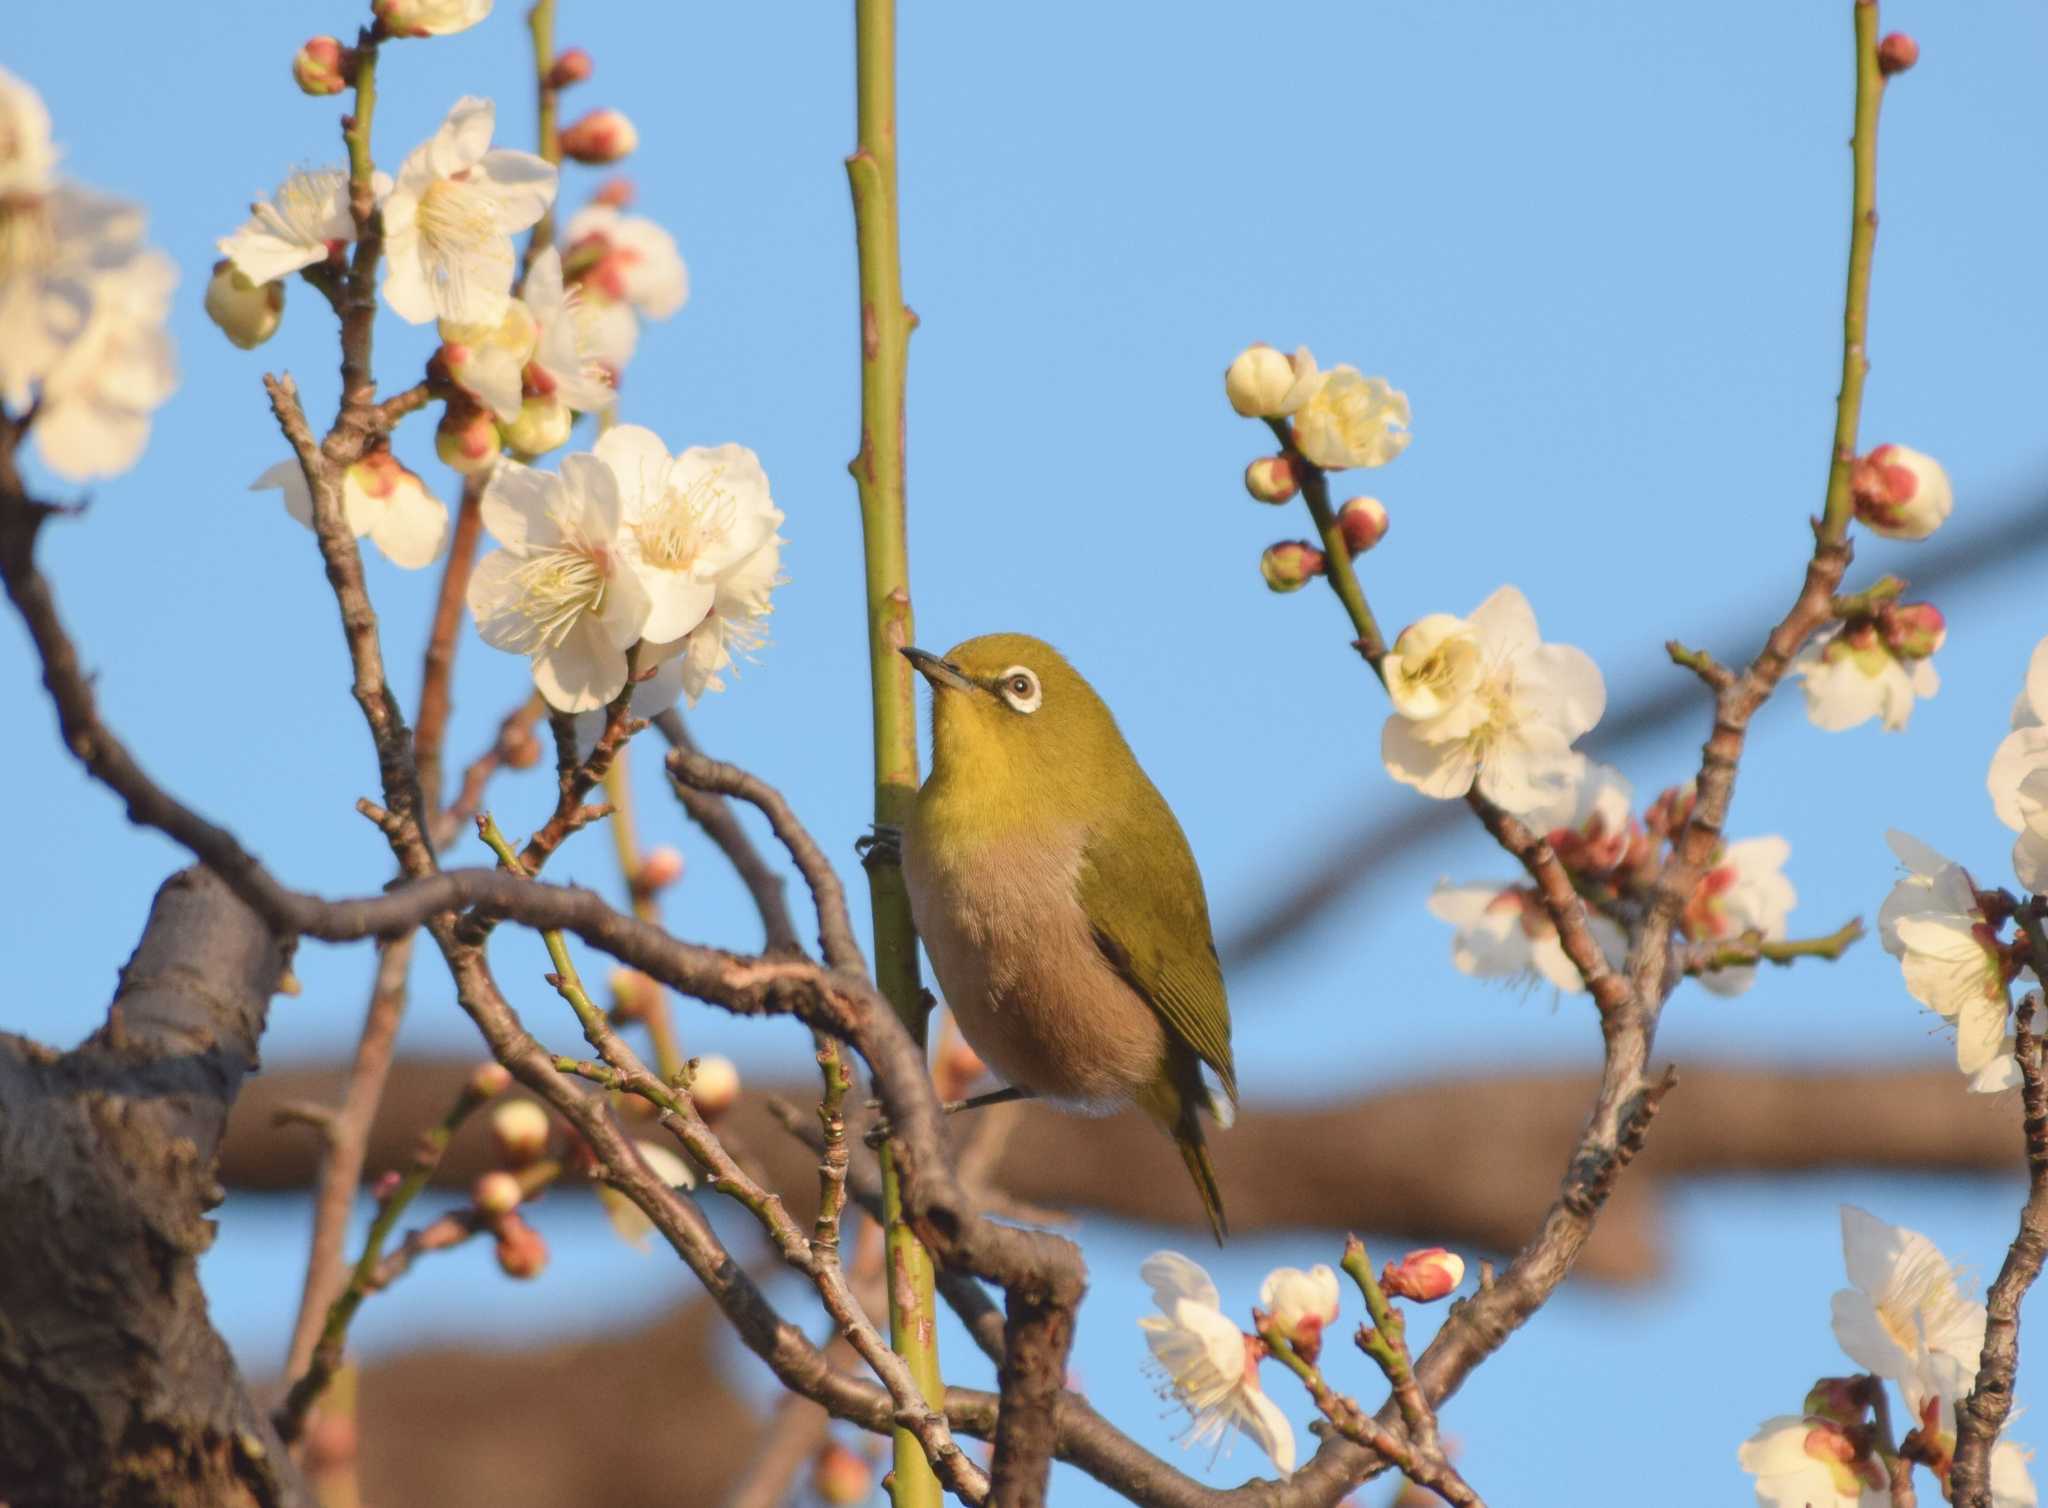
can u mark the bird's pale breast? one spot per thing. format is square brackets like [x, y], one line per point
[1018, 964]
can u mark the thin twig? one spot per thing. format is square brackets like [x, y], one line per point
[715, 816]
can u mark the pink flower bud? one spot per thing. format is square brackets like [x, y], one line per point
[1896, 53]
[1901, 493]
[489, 1080]
[521, 1251]
[467, 438]
[1271, 479]
[520, 1131]
[572, 66]
[497, 1193]
[660, 869]
[841, 1476]
[1290, 565]
[1424, 1276]
[600, 137]
[323, 66]
[619, 193]
[386, 1185]
[332, 1441]
[1912, 630]
[1364, 522]
[1840, 1399]
[1300, 1305]
[714, 1085]
[248, 312]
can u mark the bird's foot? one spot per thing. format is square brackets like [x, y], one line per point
[881, 847]
[881, 1130]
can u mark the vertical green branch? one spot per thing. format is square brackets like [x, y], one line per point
[1856, 306]
[540, 22]
[885, 326]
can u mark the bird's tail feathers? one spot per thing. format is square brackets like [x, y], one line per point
[1194, 1152]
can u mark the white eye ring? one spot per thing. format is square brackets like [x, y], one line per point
[1020, 688]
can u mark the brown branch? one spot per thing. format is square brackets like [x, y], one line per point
[1982, 1415]
[715, 816]
[835, 926]
[436, 680]
[344, 1147]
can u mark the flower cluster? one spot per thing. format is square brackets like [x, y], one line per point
[1905, 1321]
[628, 545]
[1872, 665]
[1614, 857]
[1483, 701]
[1949, 934]
[1211, 1367]
[82, 305]
[1330, 420]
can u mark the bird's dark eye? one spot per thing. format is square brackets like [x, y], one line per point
[1019, 688]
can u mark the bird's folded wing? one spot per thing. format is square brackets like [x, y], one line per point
[1144, 901]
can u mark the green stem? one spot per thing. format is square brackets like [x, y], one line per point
[1315, 491]
[878, 471]
[1856, 306]
[327, 1355]
[540, 21]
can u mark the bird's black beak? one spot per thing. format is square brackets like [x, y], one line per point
[942, 675]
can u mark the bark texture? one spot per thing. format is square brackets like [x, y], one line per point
[114, 1386]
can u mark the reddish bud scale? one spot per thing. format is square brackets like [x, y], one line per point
[1912, 630]
[572, 66]
[618, 193]
[1291, 565]
[322, 66]
[602, 136]
[521, 1251]
[1896, 53]
[489, 1080]
[841, 1476]
[521, 750]
[1424, 1276]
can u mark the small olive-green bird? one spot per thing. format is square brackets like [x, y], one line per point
[1059, 902]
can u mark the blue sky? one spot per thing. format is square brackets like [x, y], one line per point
[1600, 247]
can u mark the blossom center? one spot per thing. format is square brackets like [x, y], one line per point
[457, 217]
[688, 522]
[556, 588]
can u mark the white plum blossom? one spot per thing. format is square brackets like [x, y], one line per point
[1948, 952]
[1506, 726]
[1301, 1304]
[567, 359]
[429, 18]
[26, 156]
[1263, 383]
[380, 498]
[55, 251]
[626, 265]
[450, 218]
[693, 523]
[559, 589]
[303, 223]
[98, 396]
[1745, 891]
[2030, 853]
[1852, 675]
[1350, 419]
[1210, 1366]
[1906, 1305]
[2025, 749]
[1503, 932]
[1808, 1462]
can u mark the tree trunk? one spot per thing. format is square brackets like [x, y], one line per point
[114, 1387]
